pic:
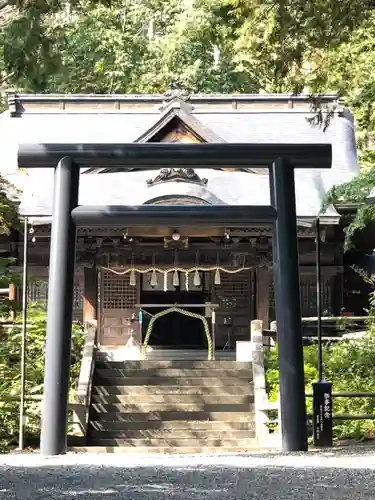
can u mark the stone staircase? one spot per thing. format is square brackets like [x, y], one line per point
[172, 406]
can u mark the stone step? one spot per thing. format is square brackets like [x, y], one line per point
[169, 450]
[172, 373]
[191, 355]
[182, 364]
[217, 381]
[156, 355]
[234, 390]
[168, 416]
[174, 443]
[201, 435]
[161, 400]
[172, 406]
[174, 426]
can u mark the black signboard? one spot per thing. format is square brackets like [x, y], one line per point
[322, 413]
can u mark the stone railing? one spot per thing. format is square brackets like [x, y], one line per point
[253, 351]
[83, 393]
[262, 403]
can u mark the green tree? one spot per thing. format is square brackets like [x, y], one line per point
[144, 46]
[8, 221]
[348, 365]
[204, 45]
[29, 30]
[285, 42]
[147, 46]
[349, 69]
[10, 341]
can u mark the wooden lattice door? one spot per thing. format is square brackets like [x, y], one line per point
[118, 314]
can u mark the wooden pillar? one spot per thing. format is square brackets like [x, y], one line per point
[263, 278]
[90, 294]
[60, 307]
[12, 292]
[13, 299]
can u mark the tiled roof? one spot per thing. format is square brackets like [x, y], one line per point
[210, 115]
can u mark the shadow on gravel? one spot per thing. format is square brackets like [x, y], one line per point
[193, 483]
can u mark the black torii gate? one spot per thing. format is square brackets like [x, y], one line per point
[67, 159]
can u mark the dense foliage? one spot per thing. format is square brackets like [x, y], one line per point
[10, 360]
[146, 45]
[348, 365]
[349, 72]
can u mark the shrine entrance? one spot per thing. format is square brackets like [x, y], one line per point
[174, 330]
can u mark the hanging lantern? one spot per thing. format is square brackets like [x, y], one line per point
[197, 279]
[217, 277]
[154, 279]
[176, 279]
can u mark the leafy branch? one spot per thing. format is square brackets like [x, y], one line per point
[357, 194]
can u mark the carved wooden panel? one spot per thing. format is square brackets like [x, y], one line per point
[180, 134]
[308, 296]
[118, 326]
[235, 297]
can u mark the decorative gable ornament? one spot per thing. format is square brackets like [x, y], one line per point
[177, 175]
[176, 93]
[176, 98]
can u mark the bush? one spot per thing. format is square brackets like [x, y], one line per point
[348, 364]
[10, 359]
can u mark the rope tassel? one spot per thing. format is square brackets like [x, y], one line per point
[217, 277]
[197, 279]
[176, 279]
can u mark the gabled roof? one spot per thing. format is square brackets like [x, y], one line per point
[177, 114]
[182, 113]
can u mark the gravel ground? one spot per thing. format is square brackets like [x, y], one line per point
[339, 474]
